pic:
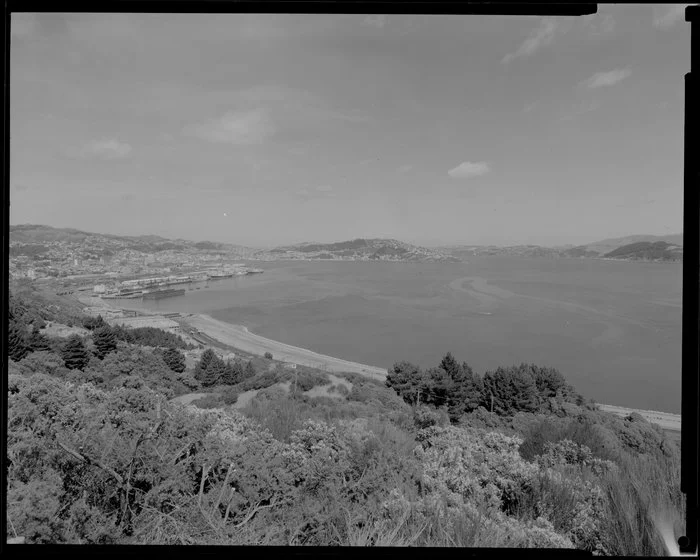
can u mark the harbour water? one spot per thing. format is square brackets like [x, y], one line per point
[612, 328]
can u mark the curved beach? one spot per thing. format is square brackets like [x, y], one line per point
[240, 337]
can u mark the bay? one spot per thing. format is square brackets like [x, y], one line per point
[613, 328]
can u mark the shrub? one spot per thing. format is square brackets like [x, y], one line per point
[262, 381]
[342, 389]
[424, 417]
[307, 380]
[268, 355]
[481, 418]
[230, 396]
[210, 401]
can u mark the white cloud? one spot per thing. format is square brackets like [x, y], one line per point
[666, 17]
[405, 168]
[603, 79]
[106, 149]
[540, 37]
[242, 128]
[467, 169]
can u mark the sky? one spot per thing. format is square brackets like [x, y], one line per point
[272, 129]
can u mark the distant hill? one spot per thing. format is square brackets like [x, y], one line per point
[646, 250]
[31, 235]
[608, 245]
[361, 249]
[673, 245]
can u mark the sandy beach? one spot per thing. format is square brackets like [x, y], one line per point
[239, 337]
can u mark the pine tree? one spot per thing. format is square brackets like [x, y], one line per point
[38, 342]
[230, 376]
[450, 365]
[511, 390]
[17, 344]
[407, 380]
[472, 388]
[439, 387]
[174, 360]
[207, 356]
[214, 372]
[75, 355]
[105, 341]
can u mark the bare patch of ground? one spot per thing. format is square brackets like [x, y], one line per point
[63, 331]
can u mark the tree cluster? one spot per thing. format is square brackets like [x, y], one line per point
[92, 323]
[211, 370]
[151, 336]
[505, 391]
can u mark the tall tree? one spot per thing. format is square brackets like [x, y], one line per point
[105, 341]
[512, 389]
[406, 379]
[174, 360]
[207, 356]
[74, 354]
[214, 372]
[450, 365]
[17, 343]
[38, 342]
[438, 387]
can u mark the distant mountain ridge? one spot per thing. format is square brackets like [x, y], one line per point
[606, 246]
[361, 249]
[38, 234]
[632, 247]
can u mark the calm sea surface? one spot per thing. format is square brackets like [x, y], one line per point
[612, 328]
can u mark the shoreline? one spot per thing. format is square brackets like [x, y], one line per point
[238, 336]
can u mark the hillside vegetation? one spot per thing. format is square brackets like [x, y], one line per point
[99, 453]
